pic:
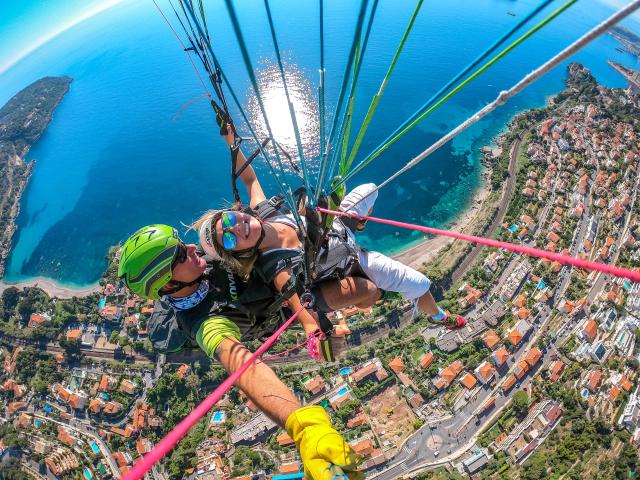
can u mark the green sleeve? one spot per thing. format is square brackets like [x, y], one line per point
[213, 331]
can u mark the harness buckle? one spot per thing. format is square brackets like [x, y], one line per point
[307, 299]
[276, 201]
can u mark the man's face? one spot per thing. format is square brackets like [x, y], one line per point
[363, 223]
[192, 267]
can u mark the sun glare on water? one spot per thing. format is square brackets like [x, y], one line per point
[274, 98]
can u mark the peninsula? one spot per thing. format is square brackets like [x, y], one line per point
[23, 119]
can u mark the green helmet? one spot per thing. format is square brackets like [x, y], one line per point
[146, 257]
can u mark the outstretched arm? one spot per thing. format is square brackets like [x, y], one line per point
[248, 176]
[322, 449]
[259, 382]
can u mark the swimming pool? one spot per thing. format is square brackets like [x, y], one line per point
[584, 393]
[48, 408]
[345, 371]
[102, 302]
[218, 417]
[37, 423]
[513, 228]
[105, 396]
[87, 474]
[95, 448]
[541, 284]
[343, 390]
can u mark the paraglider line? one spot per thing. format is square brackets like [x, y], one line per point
[530, 251]
[173, 437]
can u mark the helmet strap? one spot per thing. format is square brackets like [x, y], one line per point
[179, 286]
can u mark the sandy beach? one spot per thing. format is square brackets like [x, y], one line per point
[52, 288]
[417, 255]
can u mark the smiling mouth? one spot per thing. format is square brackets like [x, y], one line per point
[247, 229]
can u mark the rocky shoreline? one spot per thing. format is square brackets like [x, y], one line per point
[15, 211]
[23, 120]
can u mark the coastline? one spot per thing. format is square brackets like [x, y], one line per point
[52, 288]
[36, 131]
[417, 256]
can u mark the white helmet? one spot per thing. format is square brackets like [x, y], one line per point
[360, 200]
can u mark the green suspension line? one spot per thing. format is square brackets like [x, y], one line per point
[345, 166]
[468, 80]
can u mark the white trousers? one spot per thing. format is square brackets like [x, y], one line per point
[393, 276]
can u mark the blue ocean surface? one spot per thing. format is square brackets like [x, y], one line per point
[133, 143]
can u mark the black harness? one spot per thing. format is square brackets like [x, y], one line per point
[252, 305]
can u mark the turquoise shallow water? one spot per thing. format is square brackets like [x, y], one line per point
[114, 159]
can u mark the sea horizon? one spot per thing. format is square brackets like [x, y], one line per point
[122, 152]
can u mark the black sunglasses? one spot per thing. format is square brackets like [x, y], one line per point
[179, 257]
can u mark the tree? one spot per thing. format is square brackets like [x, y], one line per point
[10, 299]
[535, 468]
[520, 403]
[633, 363]
[114, 337]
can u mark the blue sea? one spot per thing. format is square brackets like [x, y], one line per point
[123, 151]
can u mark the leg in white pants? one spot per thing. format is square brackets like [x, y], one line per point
[393, 276]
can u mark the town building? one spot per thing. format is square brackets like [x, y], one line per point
[448, 375]
[531, 432]
[252, 431]
[371, 368]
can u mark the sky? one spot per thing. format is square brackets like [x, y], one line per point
[26, 25]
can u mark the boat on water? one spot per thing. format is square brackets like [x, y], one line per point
[511, 13]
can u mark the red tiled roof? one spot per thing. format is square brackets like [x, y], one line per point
[500, 356]
[104, 382]
[469, 381]
[626, 384]
[73, 335]
[555, 370]
[183, 370]
[594, 380]
[485, 371]
[397, 365]
[64, 437]
[614, 392]
[515, 336]
[491, 339]
[284, 440]
[521, 369]
[533, 356]
[426, 360]
[356, 421]
[315, 384]
[591, 329]
[452, 371]
[509, 382]
[364, 447]
[289, 468]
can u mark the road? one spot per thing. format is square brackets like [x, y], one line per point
[455, 435]
[470, 258]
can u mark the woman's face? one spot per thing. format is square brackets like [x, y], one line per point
[245, 228]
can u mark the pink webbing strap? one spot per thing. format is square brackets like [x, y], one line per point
[533, 252]
[143, 465]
